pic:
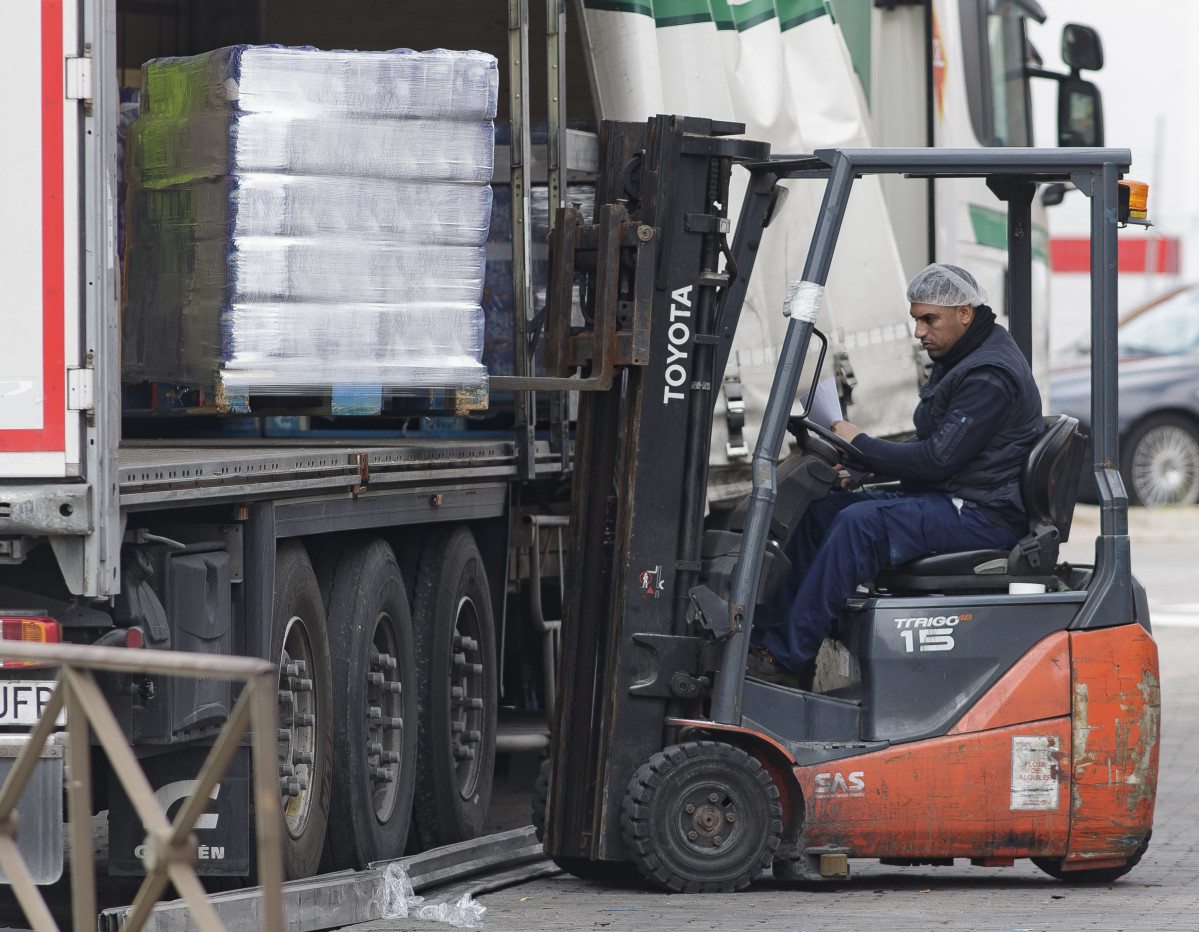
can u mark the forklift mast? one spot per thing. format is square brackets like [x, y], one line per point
[641, 455]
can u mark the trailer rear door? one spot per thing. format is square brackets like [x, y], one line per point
[39, 241]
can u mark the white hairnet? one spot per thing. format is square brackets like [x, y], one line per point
[945, 286]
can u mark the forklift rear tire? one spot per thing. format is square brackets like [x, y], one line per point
[374, 673]
[457, 684]
[1053, 867]
[702, 817]
[300, 642]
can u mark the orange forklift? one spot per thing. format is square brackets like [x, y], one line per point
[988, 705]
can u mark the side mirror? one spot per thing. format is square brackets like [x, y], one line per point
[1081, 48]
[1053, 194]
[1079, 113]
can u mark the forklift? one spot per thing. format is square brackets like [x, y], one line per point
[988, 705]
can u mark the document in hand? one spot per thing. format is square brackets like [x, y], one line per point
[822, 404]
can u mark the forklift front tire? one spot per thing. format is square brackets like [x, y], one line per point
[702, 817]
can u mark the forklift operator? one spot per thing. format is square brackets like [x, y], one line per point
[978, 417]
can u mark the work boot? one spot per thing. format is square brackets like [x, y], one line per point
[761, 665]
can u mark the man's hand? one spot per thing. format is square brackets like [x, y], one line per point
[845, 430]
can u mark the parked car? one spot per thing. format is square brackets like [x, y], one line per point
[1158, 401]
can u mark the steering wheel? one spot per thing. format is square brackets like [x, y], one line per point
[851, 457]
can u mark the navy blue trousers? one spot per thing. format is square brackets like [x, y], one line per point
[844, 541]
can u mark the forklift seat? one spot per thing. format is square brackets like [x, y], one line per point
[1049, 488]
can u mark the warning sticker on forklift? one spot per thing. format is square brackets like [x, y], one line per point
[1034, 772]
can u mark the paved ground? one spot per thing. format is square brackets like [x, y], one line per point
[1161, 894]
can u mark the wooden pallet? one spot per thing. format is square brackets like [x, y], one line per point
[157, 399]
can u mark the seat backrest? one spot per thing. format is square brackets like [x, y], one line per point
[1049, 480]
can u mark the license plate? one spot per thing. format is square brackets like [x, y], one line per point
[23, 701]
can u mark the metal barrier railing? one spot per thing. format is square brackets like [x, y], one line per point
[170, 846]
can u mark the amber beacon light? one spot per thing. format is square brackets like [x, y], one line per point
[1134, 202]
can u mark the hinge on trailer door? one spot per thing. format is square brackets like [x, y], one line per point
[81, 391]
[79, 77]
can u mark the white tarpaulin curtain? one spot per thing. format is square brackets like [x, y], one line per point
[782, 68]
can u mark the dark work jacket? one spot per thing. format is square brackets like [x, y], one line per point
[974, 427]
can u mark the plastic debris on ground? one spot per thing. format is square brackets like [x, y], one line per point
[299, 220]
[397, 900]
[466, 913]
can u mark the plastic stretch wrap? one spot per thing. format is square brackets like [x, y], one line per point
[395, 899]
[582, 195]
[301, 220]
[212, 274]
[440, 84]
[176, 150]
[271, 344]
[314, 206]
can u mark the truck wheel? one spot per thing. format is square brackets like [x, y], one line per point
[1159, 461]
[702, 817]
[374, 678]
[1053, 867]
[456, 676]
[300, 641]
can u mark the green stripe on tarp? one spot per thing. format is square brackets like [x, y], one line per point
[794, 13]
[681, 12]
[990, 229]
[748, 15]
[722, 16]
[853, 17]
[990, 226]
[642, 7]
[1040, 243]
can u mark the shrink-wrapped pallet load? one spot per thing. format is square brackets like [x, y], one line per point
[302, 221]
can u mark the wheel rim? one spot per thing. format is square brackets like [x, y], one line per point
[297, 726]
[708, 819]
[467, 685]
[384, 720]
[1165, 466]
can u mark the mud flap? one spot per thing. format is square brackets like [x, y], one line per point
[39, 811]
[222, 832]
